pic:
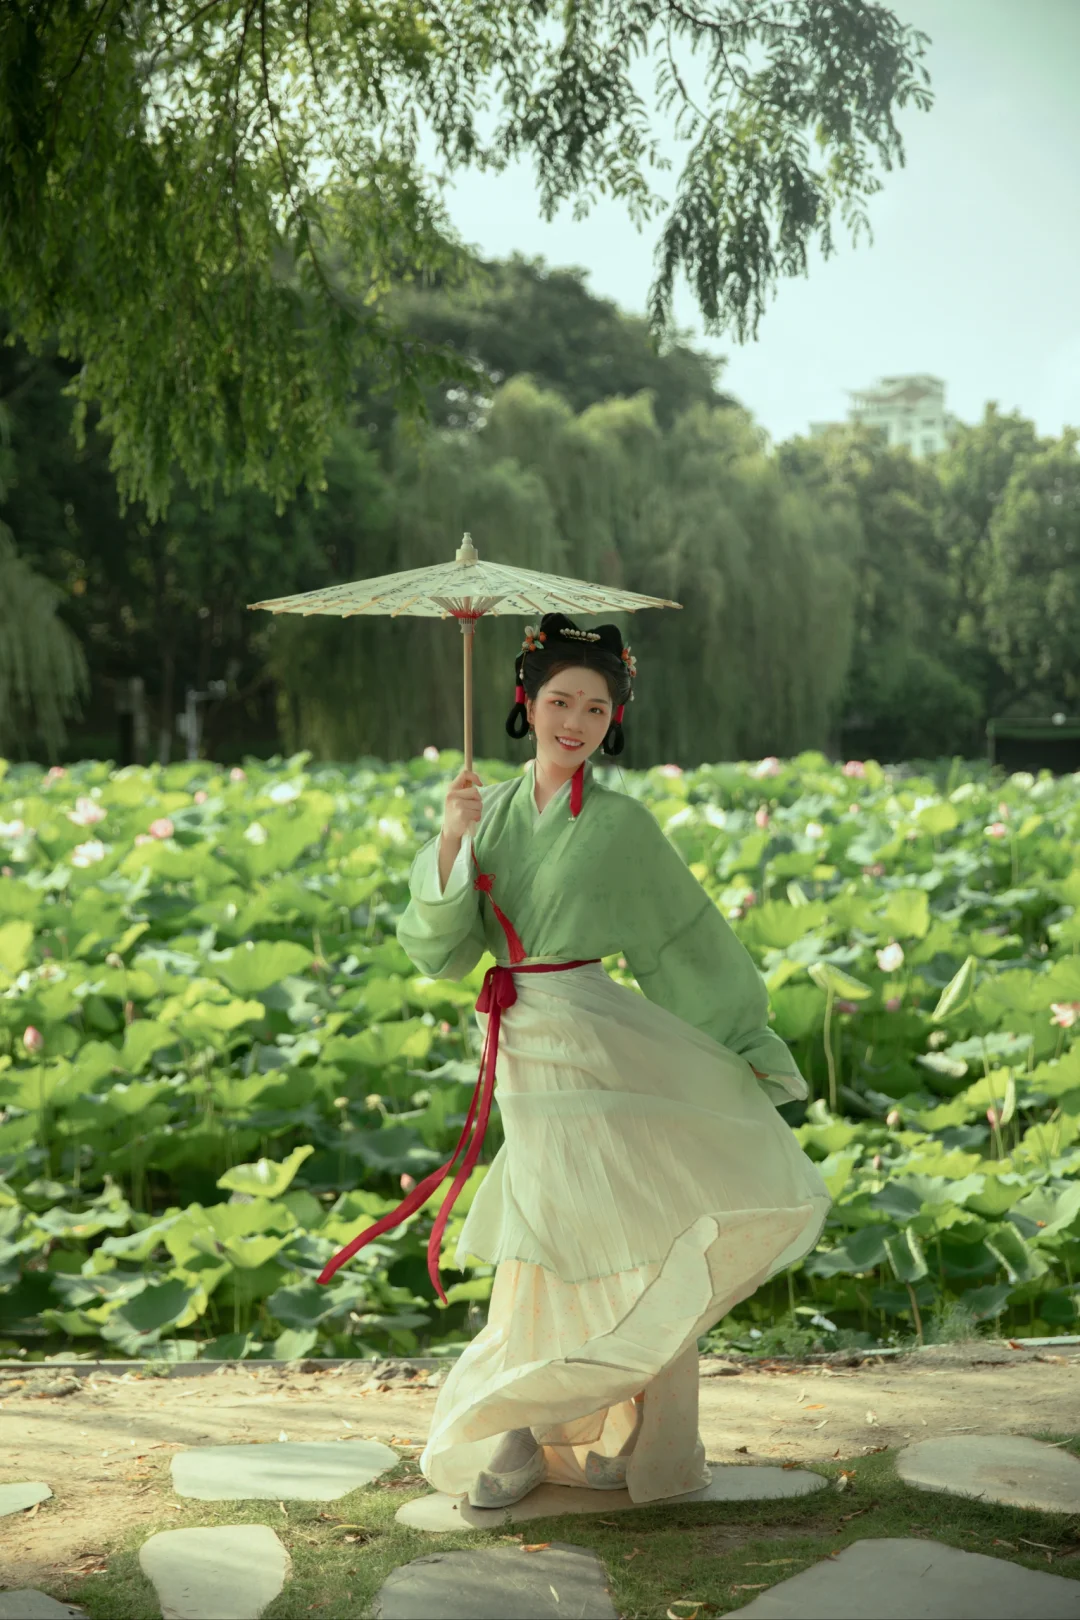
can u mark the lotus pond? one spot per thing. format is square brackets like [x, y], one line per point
[217, 1064]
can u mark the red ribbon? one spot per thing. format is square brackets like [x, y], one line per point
[497, 992]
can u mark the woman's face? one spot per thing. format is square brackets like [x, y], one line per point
[572, 707]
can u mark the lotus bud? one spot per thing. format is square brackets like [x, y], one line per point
[444, 1027]
[846, 1006]
[33, 1040]
[129, 1012]
[761, 815]
[343, 1102]
[7, 871]
[114, 960]
[407, 1182]
[372, 1100]
[892, 1118]
[894, 1003]
[431, 754]
[161, 828]
[876, 1161]
[237, 775]
[993, 1116]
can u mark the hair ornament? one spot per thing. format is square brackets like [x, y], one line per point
[629, 660]
[534, 639]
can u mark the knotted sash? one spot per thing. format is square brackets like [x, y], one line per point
[497, 993]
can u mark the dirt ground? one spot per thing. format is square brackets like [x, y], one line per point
[103, 1443]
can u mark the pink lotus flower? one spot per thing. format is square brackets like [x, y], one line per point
[671, 770]
[892, 1118]
[432, 754]
[769, 766]
[761, 816]
[854, 767]
[89, 853]
[890, 957]
[444, 1027]
[200, 796]
[407, 1182]
[876, 870]
[846, 1006]
[161, 828]
[237, 775]
[894, 1004]
[33, 1040]
[1064, 1013]
[54, 773]
[144, 838]
[996, 829]
[993, 1116]
[86, 812]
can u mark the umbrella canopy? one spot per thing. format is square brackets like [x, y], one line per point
[466, 589]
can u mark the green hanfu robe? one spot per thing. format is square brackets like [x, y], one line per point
[646, 1182]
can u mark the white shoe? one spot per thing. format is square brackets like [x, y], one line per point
[490, 1490]
[605, 1473]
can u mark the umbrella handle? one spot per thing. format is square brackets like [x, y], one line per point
[468, 627]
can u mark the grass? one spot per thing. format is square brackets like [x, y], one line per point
[707, 1557]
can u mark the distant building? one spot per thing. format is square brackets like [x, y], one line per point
[910, 411]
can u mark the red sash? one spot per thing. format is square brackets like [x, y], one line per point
[498, 991]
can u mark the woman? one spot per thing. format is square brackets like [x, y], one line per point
[646, 1183]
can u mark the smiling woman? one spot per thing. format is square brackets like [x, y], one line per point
[646, 1183]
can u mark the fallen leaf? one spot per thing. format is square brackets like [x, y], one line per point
[999, 1543]
[844, 1517]
[627, 1556]
[1040, 1544]
[789, 1465]
[281, 1505]
[771, 1563]
[744, 1449]
[745, 1586]
[871, 1417]
[817, 1406]
[553, 1592]
[1014, 1344]
[871, 1451]
[534, 1546]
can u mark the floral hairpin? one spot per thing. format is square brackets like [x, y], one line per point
[630, 661]
[534, 639]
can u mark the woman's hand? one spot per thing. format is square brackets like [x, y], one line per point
[461, 813]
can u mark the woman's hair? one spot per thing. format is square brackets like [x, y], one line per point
[559, 651]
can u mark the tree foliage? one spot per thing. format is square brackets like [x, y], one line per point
[206, 202]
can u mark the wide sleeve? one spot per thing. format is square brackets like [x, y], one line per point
[442, 931]
[686, 957]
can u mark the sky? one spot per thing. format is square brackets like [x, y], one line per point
[974, 269]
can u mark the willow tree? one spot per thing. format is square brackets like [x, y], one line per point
[43, 672]
[754, 663]
[206, 202]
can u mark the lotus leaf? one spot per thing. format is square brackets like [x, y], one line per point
[254, 967]
[266, 1178]
[906, 1256]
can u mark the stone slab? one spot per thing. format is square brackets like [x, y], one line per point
[280, 1470]
[901, 1579]
[439, 1512]
[498, 1583]
[30, 1604]
[224, 1572]
[1008, 1468]
[23, 1494]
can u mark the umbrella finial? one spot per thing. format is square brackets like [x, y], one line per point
[466, 552]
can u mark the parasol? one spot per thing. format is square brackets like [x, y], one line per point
[467, 590]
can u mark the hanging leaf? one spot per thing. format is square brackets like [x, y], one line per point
[956, 993]
[265, 1177]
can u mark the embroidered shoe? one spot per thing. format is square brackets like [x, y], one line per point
[605, 1473]
[490, 1490]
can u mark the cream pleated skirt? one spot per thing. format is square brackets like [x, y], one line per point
[646, 1184]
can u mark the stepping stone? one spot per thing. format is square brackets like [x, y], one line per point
[439, 1512]
[498, 1583]
[280, 1470]
[1006, 1468]
[894, 1579]
[229, 1572]
[13, 1498]
[30, 1604]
